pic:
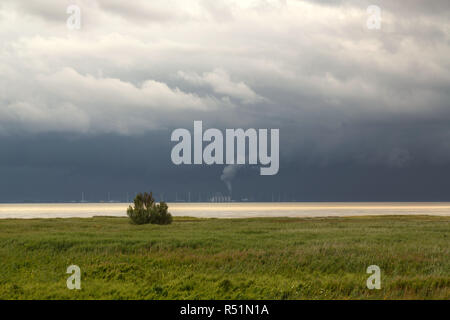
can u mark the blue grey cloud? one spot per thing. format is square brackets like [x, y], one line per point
[340, 94]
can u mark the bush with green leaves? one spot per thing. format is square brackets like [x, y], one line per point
[146, 210]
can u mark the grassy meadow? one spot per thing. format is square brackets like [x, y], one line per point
[264, 258]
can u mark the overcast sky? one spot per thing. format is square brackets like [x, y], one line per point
[364, 114]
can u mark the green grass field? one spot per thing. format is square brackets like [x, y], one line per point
[267, 258]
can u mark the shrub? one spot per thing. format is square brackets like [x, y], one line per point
[147, 211]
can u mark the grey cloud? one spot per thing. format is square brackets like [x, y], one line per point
[220, 82]
[53, 11]
[144, 11]
[337, 91]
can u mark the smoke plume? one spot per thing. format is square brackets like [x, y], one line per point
[228, 174]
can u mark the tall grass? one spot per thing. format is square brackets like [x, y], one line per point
[267, 258]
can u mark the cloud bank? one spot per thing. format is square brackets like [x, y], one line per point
[338, 91]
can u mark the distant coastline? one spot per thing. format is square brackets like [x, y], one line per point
[229, 209]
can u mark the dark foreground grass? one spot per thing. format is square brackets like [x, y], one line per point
[270, 258]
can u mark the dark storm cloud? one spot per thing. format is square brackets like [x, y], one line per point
[341, 95]
[58, 168]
